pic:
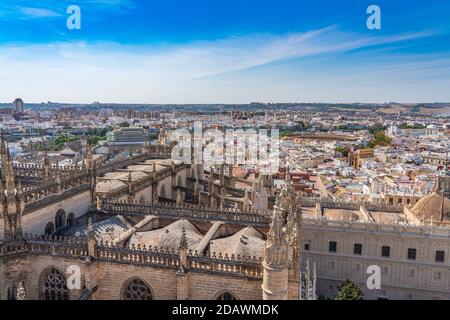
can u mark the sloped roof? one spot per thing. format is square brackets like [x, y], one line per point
[169, 236]
[430, 206]
[247, 241]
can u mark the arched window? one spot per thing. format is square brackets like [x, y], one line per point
[136, 289]
[53, 285]
[49, 228]
[71, 220]
[60, 219]
[226, 296]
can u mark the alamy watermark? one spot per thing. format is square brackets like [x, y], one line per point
[374, 20]
[374, 279]
[230, 147]
[73, 21]
[74, 278]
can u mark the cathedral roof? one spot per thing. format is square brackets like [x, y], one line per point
[106, 230]
[124, 175]
[109, 185]
[169, 236]
[431, 207]
[247, 241]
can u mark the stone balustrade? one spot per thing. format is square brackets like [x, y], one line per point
[158, 257]
[367, 226]
[186, 211]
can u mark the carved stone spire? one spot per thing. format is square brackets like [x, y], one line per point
[58, 181]
[222, 198]
[179, 200]
[13, 204]
[89, 157]
[93, 186]
[46, 164]
[183, 240]
[91, 236]
[275, 263]
[288, 176]
[3, 152]
[183, 250]
[9, 174]
[246, 203]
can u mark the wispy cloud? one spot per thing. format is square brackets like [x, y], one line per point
[137, 73]
[38, 12]
[31, 9]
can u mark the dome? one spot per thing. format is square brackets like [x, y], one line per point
[246, 242]
[169, 236]
[431, 206]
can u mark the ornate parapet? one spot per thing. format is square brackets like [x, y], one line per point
[186, 211]
[73, 247]
[244, 266]
[157, 257]
[345, 205]
[31, 170]
[367, 226]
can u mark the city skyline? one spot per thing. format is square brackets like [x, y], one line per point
[136, 52]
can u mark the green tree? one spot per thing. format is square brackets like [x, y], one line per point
[349, 291]
[380, 139]
[59, 142]
[124, 124]
[343, 150]
[93, 140]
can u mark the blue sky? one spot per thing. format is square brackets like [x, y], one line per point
[225, 51]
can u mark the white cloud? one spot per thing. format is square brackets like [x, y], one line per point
[84, 72]
[38, 12]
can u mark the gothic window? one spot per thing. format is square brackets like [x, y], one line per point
[180, 181]
[136, 289]
[71, 220]
[49, 228]
[60, 219]
[54, 286]
[226, 296]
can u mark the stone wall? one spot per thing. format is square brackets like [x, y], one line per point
[34, 222]
[29, 269]
[203, 286]
[401, 278]
[111, 278]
